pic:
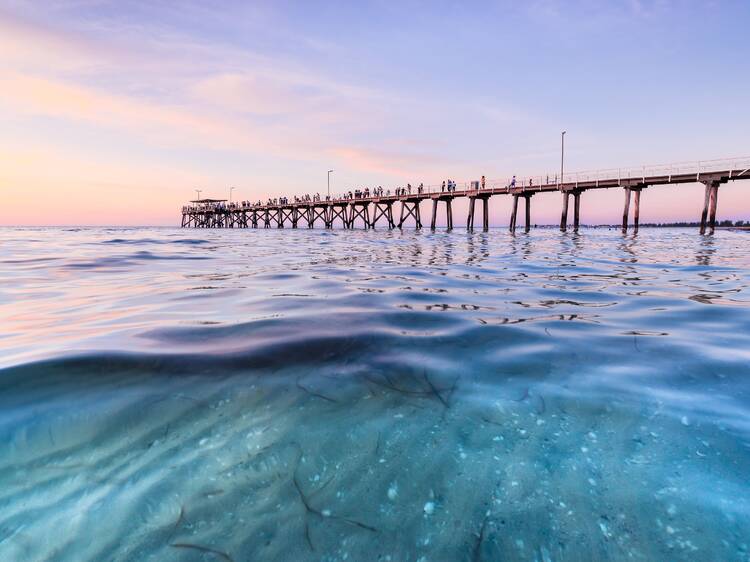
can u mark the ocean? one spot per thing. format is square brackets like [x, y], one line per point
[294, 395]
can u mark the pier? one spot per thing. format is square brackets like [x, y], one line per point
[376, 210]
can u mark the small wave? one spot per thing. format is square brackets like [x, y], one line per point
[145, 241]
[131, 260]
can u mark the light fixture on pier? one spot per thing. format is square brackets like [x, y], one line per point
[562, 157]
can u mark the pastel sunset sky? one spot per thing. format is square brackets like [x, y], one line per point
[115, 112]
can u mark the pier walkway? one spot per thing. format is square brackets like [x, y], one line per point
[346, 210]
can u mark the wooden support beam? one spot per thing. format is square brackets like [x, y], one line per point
[359, 210]
[410, 209]
[287, 215]
[317, 212]
[485, 213]
[470, 218]
[302, 214]
[626, 210]
[713, 202]
[337, 212]
[636, 209]
[448, 212]
[564, 215]
[704, 214]
[576, 210]
[383, 210]
[514, 214]
[528, 212]
[709, 205]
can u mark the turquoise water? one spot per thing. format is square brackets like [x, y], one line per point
[309, 395]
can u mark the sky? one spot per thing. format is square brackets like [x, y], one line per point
[114, 112]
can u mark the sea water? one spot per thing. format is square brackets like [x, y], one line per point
[300, 395]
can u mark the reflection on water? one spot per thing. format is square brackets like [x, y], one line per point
[297, 395]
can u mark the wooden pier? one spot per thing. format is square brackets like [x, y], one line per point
[371, 211]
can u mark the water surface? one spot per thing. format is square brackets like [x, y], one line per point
[406, 396]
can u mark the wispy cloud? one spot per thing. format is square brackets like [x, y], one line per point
[199, 94]
[384, 94]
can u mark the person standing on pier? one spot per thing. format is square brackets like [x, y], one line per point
[482, 184]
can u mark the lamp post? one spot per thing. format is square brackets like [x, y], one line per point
[562, 157]
[329, 183]
[199, 193]
[231, 189]
[566, 195]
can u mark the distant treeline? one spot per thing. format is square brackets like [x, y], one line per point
[720, 224]
[726, 223]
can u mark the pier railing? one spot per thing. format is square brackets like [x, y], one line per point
[734, 166]
[355, 205]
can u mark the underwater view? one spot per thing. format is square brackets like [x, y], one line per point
[300, 395]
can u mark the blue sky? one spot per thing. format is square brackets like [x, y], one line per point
[137, 101]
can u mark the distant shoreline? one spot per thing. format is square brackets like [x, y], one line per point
[744, 227]
[652, 225]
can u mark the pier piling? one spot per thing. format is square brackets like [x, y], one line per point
[336, 211]
[527, 225]
[714, 200]
[470, 217]
[636, 209]
[626, 211]
[514, 214]
[410, 208]
[383, 209]
[448, 199]
[564, 215]
[710, 202]
[485, 212]
[359, 210]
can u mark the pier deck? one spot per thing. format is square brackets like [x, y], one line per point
[212, 213]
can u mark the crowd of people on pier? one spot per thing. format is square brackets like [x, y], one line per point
[448, 186]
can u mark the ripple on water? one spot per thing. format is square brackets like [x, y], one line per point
[374, 396]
